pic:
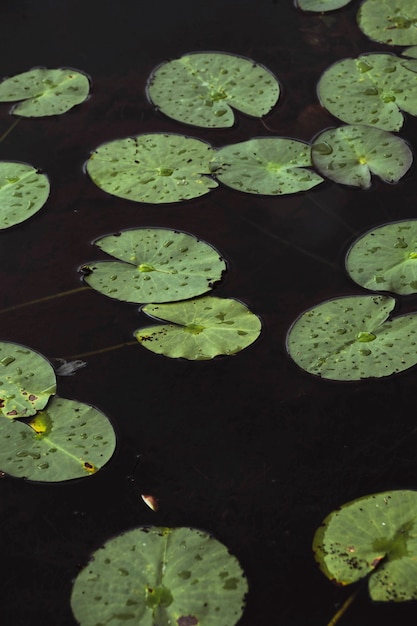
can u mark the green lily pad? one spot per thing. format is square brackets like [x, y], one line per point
[164, 576]
[155, 168]
[66, 440]
[372, 89]
[385, 258]
[373, 536]
[23, 191]
[269, 165]
[393, 22]
[200, 329]
[351, 337]
[350, 154]
[156, 265]
[42, 92]
[320, 6]
[203, 88]
[411, 58]
[27, 381]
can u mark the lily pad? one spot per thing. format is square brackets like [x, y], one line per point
[385, 258]
[411, 58]
[156, 265]
[203, 88]
[269, 165]
[374, 536]
[27, 381]
[163, 576]
[351, 337]
[393, 22]
[372, 89]
[43, 92]
[320, 6]
[155, 168]
[350, 154]
[23, 191]
[200, 329]
[66, 440]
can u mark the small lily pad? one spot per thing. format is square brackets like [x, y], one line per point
[41, 92]
[350, 154]
[153, 575]
[154, 168]
[156, 265]
[352, 337]
[23, 191]
[200, 329]
[320, 6]
[203, 88]
[269, 165]
[393, 22]
[374, 536]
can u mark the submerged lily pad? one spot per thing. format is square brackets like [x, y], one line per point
[393, 22]
[385, 258]
[44, 92]
[201, 88]
[163, 576]
[66, 440]
[350, 338]
[23, 191]
[27, 381]
[156, 265]
[153, 168]
[350, 154]
[268, 165]
[320, 6]
[372, 89]
[200, 329]
[374, 536]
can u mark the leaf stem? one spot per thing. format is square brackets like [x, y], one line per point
[9, 130]
[100, 350]
[336, 617]
[44, 299]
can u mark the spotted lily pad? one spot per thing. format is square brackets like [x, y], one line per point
[393, 22]
[41, 92]
[320, 6]
[203, 88]
[156, 265]
[27, 381]
[154, 168]
[268, 165]
[352, 337]
[411, 58]
[350, 154]
[374, 536]
[23, 191]
[200, 329]
[152, 575]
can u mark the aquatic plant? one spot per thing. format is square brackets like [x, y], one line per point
[23, 191]
[320, 6]
[389, 21]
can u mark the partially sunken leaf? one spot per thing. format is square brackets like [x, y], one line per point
[156, 265]
[350, 154]
[375, 535]
[349, 338]
[201, 89]
[320, 6]
[23, 191]
[27, 381]
[269, 165]
[66, 440]
[44, 92]
[153, 168]
[152, 575]
[389, 21]
[385, 258]
[200, 329]
[371, 90]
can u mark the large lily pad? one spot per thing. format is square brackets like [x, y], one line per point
[156, 265]
[27, 381]
[372, 89]
[375, 535]
[350, 338]
[42, 92]
[268, 165]
[350, 154]
[23, 191]
[200, 329]
[155, 168]
[164, 576]
[66, 440]
[393, 22]
[320, 6]
[201, 88]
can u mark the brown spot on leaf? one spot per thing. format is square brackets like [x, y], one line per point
[32, 397]
[187, 620]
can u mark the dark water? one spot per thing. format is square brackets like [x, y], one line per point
[249, 448]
